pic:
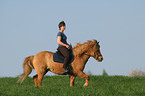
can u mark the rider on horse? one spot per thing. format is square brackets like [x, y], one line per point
[63, 45]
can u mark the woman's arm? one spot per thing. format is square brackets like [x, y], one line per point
[61, 43]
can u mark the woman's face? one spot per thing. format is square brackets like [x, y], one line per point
[62, 28]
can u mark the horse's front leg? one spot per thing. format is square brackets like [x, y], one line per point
[83, 75]
[72, 79]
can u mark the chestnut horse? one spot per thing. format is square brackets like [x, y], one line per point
[43, 62]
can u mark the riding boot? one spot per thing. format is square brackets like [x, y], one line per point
[65, 70]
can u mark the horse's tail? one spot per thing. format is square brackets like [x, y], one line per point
[27, 68]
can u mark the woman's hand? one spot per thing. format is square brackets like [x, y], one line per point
[67, 46]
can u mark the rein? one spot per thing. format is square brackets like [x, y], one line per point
[94, 55]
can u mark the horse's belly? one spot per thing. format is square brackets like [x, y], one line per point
[56, 68]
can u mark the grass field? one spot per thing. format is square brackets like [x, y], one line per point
[59, 86]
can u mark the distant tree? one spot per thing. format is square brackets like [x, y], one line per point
[104, 73]
[144, 72]
[136, 73]
[89, 72]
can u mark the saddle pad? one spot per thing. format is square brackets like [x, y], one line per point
[60, 59]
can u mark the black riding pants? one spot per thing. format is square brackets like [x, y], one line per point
[65, 52]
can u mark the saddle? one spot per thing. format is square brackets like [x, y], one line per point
[58, 57]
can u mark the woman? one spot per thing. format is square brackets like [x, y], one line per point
[63, 45]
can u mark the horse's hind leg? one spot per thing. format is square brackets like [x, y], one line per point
[83, 75]
[38, 78]
[35, 80]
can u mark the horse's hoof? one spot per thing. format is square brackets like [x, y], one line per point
[71, 85]
[85, 85]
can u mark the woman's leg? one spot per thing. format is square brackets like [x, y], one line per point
[64, 51]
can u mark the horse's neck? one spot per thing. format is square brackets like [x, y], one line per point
[80, 61]
[82, 58]
[85, 58]
[79, 53]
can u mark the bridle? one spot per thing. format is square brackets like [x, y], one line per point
[98, 55]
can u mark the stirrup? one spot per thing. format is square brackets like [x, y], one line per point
[65, 71]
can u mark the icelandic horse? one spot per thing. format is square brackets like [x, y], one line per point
[43, 62]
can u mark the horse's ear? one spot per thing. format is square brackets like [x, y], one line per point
[95, 41]
[98, 42]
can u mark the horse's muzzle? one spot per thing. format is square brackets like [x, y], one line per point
[100, 58]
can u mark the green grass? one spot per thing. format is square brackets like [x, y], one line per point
[59, 86]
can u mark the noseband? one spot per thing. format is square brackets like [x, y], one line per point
[98, 55]
[95, 55]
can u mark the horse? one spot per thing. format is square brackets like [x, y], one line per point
[43, 62]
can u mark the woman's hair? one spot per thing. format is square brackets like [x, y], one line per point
[62, 23]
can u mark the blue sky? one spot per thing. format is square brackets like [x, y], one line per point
[30, 26]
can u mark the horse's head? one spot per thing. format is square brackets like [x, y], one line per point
[97, 54]
[94, 51]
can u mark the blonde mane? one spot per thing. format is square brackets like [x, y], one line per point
[81, 48]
